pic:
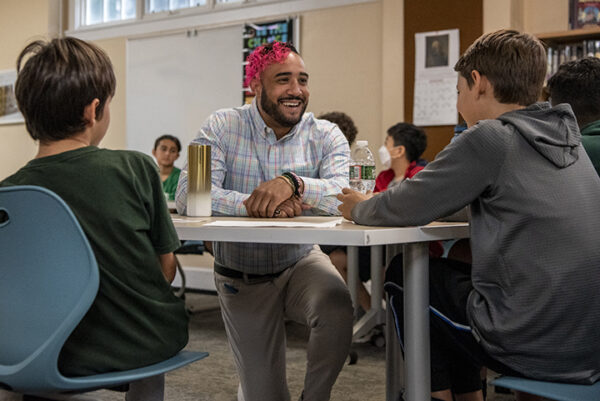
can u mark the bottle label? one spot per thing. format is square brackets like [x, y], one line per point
[355, 172]
[368, 172]
[358, 172]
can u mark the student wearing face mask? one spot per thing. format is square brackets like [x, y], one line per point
[400, 155]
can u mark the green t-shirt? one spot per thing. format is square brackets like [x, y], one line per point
[170, 184]
[117, 197]
[590, 138]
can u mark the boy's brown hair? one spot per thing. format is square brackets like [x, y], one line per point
[57, 81]
[513, 62]
[344, 123]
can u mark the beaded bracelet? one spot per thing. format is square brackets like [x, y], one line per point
[300, 184]
[295, 180]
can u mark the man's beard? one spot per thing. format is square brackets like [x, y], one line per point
[271, 108]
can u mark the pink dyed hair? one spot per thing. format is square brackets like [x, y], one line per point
[265, 55]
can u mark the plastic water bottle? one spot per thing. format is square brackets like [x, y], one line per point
[362, 168]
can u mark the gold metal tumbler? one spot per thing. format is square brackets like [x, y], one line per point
[199, 168]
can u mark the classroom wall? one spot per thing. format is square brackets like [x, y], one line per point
[497, 14]
[392, 64]
[342, 51]
[20, 23]
[541, 16]
[341, 78]
[353, 53]
[115, 136]
[533, 16]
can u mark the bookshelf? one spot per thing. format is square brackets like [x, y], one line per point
[570, 45]
[573, 35]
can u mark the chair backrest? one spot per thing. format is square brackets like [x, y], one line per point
[48, 281]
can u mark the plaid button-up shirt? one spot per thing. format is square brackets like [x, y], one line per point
[245, 153]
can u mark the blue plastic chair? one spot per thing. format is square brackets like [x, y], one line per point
[48, 281]
[553, 391]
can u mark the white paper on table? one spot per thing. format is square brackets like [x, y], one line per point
[274, 223]
[188, 219]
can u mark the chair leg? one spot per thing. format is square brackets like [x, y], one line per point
[148, 389]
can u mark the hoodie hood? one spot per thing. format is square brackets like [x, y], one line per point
[551, 131]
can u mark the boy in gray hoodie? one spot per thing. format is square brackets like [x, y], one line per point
[532, 298]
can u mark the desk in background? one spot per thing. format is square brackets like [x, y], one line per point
[416, 278]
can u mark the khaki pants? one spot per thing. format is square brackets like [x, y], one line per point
[312, 293]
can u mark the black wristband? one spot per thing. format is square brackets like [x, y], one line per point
[294, 180]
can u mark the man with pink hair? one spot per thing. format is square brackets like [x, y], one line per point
[270, 159]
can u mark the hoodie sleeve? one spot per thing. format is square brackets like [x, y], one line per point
[464, 170]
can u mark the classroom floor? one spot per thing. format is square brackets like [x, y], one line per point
[214, 378]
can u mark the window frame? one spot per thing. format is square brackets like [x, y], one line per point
[200, 17]
[170, 13]
[79, 10]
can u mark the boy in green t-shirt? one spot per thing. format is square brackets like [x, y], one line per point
[64, 88]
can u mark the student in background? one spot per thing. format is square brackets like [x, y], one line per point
[337, 253]
[117, 197]
[531, 301]
[344, 123]
[166, 152]
[578, 84]
[270, 159]
[400, 155]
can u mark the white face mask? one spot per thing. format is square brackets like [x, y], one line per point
[384, 157]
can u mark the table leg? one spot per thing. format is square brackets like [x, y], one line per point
[374, 316]
[376, 278]
[394, 367]
[352, 252]
[416, 322]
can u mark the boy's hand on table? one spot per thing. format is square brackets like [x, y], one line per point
[349, 199]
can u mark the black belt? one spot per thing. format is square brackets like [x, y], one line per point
[227, 272]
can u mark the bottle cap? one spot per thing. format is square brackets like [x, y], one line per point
[360, 144]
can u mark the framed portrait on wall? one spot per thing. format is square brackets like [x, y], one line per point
[584, 14]
[9, 112]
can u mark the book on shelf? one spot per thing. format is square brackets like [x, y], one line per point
[562, 53]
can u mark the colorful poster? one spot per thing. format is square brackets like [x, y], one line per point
[584, 14]
[256, 35]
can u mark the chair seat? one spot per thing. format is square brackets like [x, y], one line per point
[111, 379]
[553, 391]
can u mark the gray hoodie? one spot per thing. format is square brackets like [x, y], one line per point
[535, 205]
